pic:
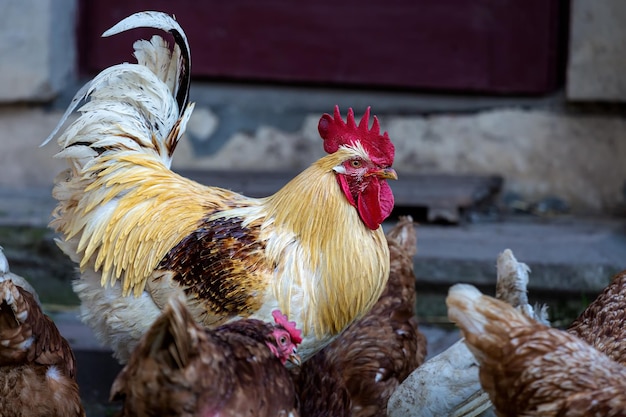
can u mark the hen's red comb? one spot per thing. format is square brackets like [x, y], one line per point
[336, 133]
[290, 326]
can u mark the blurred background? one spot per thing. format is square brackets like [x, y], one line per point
[508, 118]
[529, 91]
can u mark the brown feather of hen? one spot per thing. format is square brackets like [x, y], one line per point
[602, 323]
[183, 369]
[529, 369]
[37, 365]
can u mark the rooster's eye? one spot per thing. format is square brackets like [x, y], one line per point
[355, 163]
[282, 340]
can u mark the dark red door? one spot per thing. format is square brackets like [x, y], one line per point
[489, 46]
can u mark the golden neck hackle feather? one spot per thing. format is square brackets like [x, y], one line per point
[328, 232]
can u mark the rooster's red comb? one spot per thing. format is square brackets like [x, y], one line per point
[290, 326]
[336, 133]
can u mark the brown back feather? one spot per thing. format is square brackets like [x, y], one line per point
[27, 390]
[182, 369]
[602, 323]
[321, 389]
[530, 369]
[221, 263]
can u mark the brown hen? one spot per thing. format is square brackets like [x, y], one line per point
[530, 369]
[602, 323]
[237, 369]
[37, 365]
[375, 354]
[321, 389]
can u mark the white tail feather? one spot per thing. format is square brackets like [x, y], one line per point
[119, 110]
[182, 56]
[78, 97]
[152, 19]
[155, 54]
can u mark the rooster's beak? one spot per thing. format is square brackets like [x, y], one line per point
[386, 173]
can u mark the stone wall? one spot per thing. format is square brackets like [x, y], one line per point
[597, 51]
[37, 49]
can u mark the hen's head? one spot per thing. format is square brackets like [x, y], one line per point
[284, 339]
[364, 159]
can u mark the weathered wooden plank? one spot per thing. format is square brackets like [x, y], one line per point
[443, 195]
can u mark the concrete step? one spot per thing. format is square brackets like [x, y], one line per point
[571, 260]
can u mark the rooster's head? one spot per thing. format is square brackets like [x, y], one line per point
[364, 159]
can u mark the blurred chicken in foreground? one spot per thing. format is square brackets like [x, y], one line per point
[143, 234]
[376, 353]
[529, 369]
[182, 369]
[37, 366]
[449, 384]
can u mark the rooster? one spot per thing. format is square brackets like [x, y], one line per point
[142, 234]
[182, 369]
[530, 369]
[37, 365]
